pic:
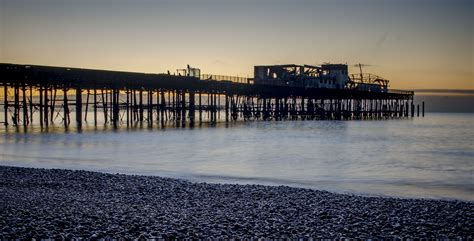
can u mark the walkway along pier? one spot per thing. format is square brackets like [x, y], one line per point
[43, 95]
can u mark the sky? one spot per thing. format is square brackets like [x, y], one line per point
[417, 44]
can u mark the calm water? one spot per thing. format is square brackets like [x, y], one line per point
[431, 157]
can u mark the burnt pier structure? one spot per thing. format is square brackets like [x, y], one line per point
[45, 96]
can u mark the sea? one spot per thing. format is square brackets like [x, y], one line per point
[422, 157]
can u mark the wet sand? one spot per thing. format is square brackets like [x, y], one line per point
[62, 204]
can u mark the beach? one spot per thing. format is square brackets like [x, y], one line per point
[64, 204]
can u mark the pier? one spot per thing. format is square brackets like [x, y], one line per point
[45, 96]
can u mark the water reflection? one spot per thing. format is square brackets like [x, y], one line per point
[421, 157]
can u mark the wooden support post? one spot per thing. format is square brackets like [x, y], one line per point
[168, 114]
[115, 107]
[16, 105]
[218, 96]
[331, 109]
[150, 108]
[87, 105]
[407, 109]
[423, 109]
[226, 108]
[233, 108]
[208, 105]
[177, 108]
[5, 103]
[277, 109]
[163, 107]
[392, 108]
[294, 109]
[25, 107]
[192, 108]
[127, 92]
[66, 109]
[400, 108]
[107, 104]
[384, 108]
[78, 107]
[418, 110]
[95, 107]
[376, 109]
[130, 106]
[133, 107]
[183, 108]
[200, 108]
[104, 105]
[31, 104]
[111, 105]
[264, 109]
[211, 107]
[46, 106]
[140, 106]
[41, 120]
[53, 104]
[134, 113]
[303, 112]
[113, 110]
[173, 106]
[157, 105]
[215, 108]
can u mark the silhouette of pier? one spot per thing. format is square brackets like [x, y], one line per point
[43, 95]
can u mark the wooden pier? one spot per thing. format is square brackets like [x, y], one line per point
[45, 96]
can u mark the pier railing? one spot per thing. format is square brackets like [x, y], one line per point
[244, 80]
[235, 79]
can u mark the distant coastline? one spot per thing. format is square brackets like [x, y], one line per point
[446, 100]
[444, 92]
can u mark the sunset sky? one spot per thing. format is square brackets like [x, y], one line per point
[417, 44]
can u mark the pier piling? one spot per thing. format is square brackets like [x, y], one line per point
[423, 109]
[78, 107]
[65, 109]
[5, 104]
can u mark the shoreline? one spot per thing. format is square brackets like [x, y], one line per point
[59, 203]
[236, 180]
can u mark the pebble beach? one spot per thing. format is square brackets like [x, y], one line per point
[65, 204]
